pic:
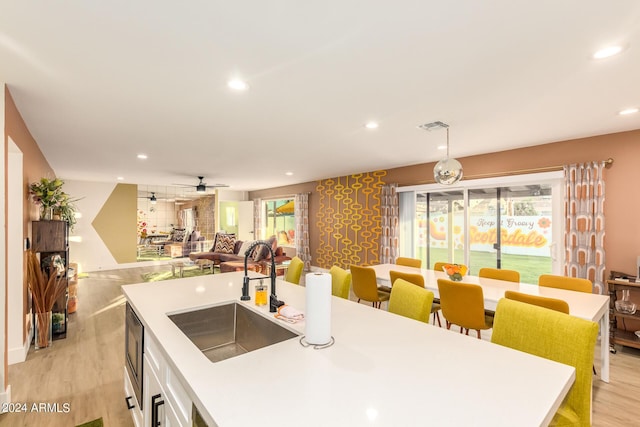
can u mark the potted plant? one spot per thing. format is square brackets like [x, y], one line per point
[46, 287]
[47, 193]
[67, 210]
[52, 200]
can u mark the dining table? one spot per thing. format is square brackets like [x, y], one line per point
[593, 307]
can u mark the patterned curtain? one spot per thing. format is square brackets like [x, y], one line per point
[389, 213]
[258, 219]
[584, 233]
[301, 202]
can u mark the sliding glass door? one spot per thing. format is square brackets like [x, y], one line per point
[515, 226]
[442, 223]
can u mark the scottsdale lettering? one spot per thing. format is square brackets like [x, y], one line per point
[517, 238]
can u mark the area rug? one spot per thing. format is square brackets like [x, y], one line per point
[94, 423]
[157, 276]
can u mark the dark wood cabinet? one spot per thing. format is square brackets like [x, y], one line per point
[50, 239]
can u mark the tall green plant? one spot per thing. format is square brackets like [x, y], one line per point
[48, 194]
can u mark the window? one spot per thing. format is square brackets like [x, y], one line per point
[279, 220]
[512, 223]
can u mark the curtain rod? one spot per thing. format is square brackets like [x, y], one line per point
[607, 163]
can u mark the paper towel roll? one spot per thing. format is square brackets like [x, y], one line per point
[318, 308]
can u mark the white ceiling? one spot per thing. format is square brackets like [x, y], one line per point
[98, 82]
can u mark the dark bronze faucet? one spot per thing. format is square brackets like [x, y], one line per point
[273, 299]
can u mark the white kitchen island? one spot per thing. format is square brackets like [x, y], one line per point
[383, 370]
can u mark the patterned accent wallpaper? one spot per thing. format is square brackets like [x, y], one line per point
[205, 217]
[349, 220]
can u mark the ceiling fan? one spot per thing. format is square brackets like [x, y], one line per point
[202, 186]
[152, 199]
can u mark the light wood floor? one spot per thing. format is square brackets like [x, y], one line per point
[85, 370]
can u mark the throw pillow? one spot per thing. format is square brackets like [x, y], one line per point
[178, 234]
[273, 241]
[225, 243]
[264, 253]
[244, 247]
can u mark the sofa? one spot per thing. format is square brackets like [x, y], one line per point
[182, 244]
[228, 253]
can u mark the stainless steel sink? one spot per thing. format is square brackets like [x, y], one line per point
[229, 330]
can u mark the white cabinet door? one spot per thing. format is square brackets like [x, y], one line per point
[171, 419]
[153, 406]
[136, 413]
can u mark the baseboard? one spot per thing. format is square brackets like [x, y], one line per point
[19, 354]
[5, 397]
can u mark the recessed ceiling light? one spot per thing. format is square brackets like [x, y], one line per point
[288, 173]
[628, 111]
[607, 52]
[120, 178]
[442, 147]
[142, 156]
[371, 125]
[237, 84]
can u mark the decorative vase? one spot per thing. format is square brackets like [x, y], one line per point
[457, 277]
[46, 213]
[43, 330]
[625, 305]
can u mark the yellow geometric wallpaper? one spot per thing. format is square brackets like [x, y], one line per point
[349, 220]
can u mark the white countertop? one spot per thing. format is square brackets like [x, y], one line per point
[384, 370]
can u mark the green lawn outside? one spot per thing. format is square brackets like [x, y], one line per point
[530, 267]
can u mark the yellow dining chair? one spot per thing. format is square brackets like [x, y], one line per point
[438, 266]
[463, 305]
[567, 283]
[365, 285]
[409, 262]
[410, 301]
[550, 303]
[500, 274]
[416, 279]
[556, 336]
[294, 271]
[564, 282]
[340, 282]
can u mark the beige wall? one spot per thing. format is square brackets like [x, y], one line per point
[622, 205]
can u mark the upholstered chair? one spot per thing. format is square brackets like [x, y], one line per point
[556, 336]
[410, 301]
[500, 274]
[463, 305]
[564, 282]
[416, 279]
[340, 282]
[409, 262]
[294, 271]
[365, 285]
[550, 303]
